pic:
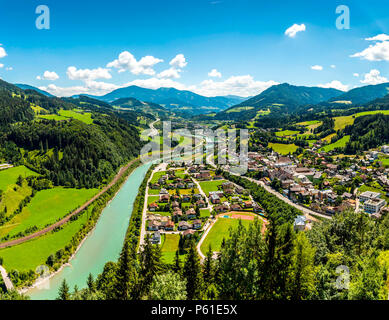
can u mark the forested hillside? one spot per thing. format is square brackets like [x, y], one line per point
[68, 152]
[367, 132]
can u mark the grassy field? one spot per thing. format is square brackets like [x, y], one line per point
[308, 123]
[169, 247]
[286, 133]
[46, 208]
[341, 143]
[283, 148]
[29, 255]
[9, 176]
[204, 213]
[157, 175]
[85, 117]
[342, 122]
[219, 231]
[329, 137]
[209, 186]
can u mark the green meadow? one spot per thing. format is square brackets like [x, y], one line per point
[9, 176]
[31, 254]
[46, 208]
[283, 149]
[220, 231]
[341, 143]
[208, 186]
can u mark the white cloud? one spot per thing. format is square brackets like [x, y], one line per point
[293, 30]
[90, 87]
[373, 77]
[178, 61]
[9, 68]
[237, 85]
[214, 74]
[127, 62]
[356, 75]
[317, 67]
[87, 74]
[2, 52]
[333, 66]
[1, 65]
[377, 52]
[49, 75]
[170, 73]
[379, 37]
[335, 84]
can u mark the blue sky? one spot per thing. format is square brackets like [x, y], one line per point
[97, 46]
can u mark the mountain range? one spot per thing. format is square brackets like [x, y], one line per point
[173, 99]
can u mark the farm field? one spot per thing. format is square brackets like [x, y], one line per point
[36, 252]
[66, 114]
[9, 176]
[283, 149]
[209, 186]
[219, 231]
[46, 208]
[286, 133]
[338, 144]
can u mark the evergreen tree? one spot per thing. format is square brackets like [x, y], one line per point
[63, 293]
[192, 273]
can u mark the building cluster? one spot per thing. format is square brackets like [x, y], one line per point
[317, 183]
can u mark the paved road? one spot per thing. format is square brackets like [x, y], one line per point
[307, 212]
[68, 217]
[8, 283]
[160, 167]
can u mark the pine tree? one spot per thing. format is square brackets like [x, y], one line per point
[124, 274]
[91, 283]
[208, 271]
[192, 273]
[63, 293]
[150, 265]
[177, 263]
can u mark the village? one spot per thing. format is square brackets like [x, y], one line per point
[325, 184]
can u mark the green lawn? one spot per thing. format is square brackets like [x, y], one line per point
[9, 176]
[152, 199]
[46, 208]
[209, 186]
[341, 143]
[169, 247]
[29, 255]
[283, 148]
[204, 213]
[157, 175]
[219, 231]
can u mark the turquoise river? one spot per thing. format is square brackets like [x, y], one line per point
[102, 245]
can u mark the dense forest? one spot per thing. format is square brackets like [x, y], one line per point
[367, 132]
